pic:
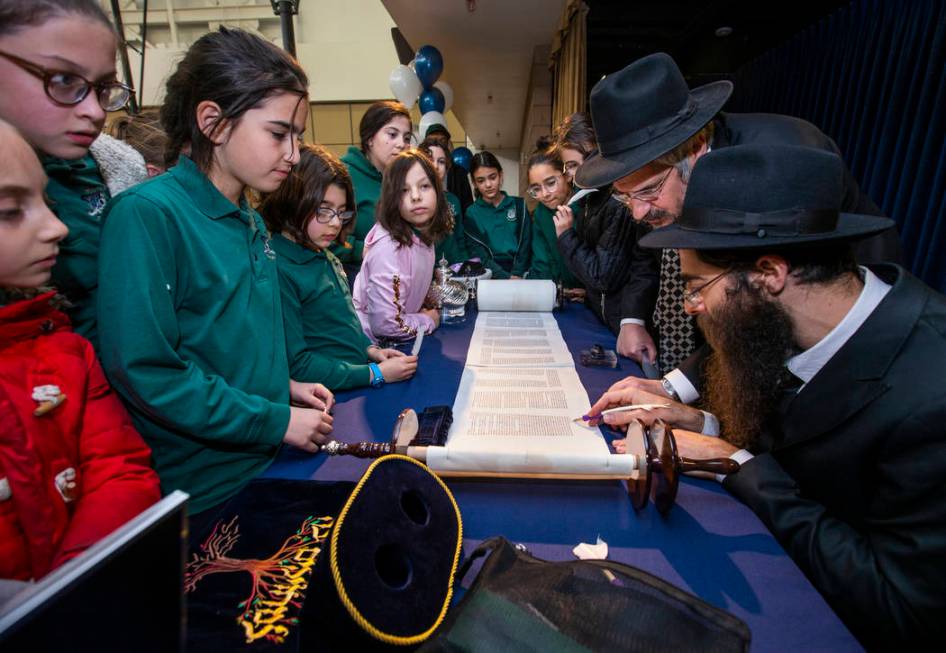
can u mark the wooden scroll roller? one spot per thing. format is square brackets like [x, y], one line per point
[411, 437]
[660, 465]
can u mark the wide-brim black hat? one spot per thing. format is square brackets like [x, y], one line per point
[764, 196]
[643, 112]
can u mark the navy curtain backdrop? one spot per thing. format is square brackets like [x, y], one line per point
[873, 77]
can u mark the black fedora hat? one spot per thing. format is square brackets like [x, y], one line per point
[643, 112]
[764, 196]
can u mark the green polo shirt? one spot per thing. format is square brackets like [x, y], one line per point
[366, 181]
[547, 263]
[191, 331]
[79, 196]
[453, 247]
[501, 236]
[324, 339]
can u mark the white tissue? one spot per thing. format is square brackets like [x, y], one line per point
[585, 551]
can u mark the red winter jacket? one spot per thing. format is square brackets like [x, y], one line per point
[44, 519]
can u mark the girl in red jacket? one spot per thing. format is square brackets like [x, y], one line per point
[72, 467]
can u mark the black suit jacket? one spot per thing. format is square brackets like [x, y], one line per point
[852, 477]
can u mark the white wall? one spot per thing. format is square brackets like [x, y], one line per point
[509, 160]
[345, 47]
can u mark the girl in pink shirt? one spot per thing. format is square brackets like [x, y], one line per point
[398, 261]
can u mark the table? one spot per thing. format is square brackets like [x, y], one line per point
[710, 544]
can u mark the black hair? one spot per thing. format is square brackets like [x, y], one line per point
[544, 154]
[433, 141]
[376, 117]
[236, 70]
[17, 14]
[808, 264]
[484, 159]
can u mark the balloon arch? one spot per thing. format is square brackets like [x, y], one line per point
[418, 82]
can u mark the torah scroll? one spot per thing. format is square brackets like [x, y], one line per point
[520, 295]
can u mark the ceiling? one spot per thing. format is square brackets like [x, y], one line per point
[488, 52]
[487, 56]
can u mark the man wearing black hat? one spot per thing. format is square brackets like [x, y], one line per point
[651, 131]
[827, 380]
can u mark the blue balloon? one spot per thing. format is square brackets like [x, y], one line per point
[428, 64]
[463, 157]
[432, 100]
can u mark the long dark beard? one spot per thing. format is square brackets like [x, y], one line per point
[746, 377]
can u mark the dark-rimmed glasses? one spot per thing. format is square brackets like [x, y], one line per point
[324, 215]
[646, 195]
[69, 89]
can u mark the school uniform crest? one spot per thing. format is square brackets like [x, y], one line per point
[511, 214]
[268, 249]
[96, 201]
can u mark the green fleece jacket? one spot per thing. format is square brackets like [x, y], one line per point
[547, 263]
[366, 181]
[79, 195]
[501, 236]
[324, 339]
[454, 247]
[191, 331]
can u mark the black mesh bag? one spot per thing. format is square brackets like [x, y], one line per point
[521, 603]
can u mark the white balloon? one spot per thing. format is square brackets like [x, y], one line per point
[447, 95]
[428, 119]
[405, 85]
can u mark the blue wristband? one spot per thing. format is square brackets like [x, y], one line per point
[378, 379]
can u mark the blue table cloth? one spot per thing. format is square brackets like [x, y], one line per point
[710, 544]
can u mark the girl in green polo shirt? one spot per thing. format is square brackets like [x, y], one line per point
[548, 185]
[498, 226]
[57, 81]
[385, 132]
[190, 317]
[307, 214]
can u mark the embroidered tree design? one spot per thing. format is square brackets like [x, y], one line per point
[279, 582]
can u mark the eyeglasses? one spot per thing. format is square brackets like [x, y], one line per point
[325, 214]
[646, 195]
[569, 167]
[695, 297]
[550, 185]
[69, 89]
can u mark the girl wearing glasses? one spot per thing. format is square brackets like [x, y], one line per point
[385, 132]
[309, 212]
[57, 80]
[547, 184]
[391, 289]
[498, 226]
[598, 249]
[190, 314]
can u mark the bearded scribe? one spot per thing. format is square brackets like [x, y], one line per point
[827, 382]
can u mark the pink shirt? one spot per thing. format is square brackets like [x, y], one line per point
[391, 286]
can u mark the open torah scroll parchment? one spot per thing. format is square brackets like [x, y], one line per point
[514, 418]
